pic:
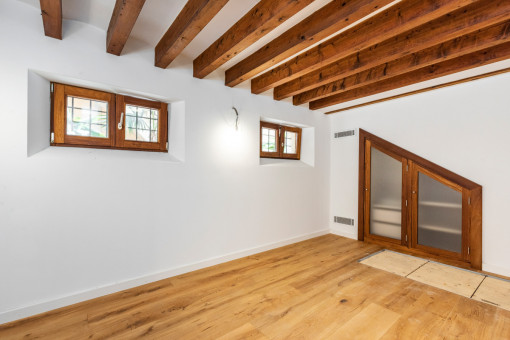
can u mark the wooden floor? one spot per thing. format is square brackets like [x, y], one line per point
[314, 289]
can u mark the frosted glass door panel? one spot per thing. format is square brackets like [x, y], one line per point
[385, 195]
[439, 215]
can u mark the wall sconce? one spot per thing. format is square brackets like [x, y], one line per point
[237, 117]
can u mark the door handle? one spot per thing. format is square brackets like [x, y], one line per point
[119, 126]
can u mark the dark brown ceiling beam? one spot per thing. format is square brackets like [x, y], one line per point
[398, 19]
[427, 89]
[260, 20]
[463, 63]
[464, 21]
[326, 21]
[194, 16]
[466, 44]
[123, 19]
[51, 11]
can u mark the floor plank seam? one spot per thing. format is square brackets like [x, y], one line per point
[416, 269]
[478, 287]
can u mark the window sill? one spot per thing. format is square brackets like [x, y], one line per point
[278, 162]
[72, 153]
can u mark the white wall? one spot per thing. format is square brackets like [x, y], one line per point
[72, 220]
[463, 128]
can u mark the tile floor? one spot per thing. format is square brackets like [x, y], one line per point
[488, 289]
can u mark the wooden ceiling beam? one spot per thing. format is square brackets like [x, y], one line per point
[398, 19]
[121, 24]
[260, 20]
[457, 47]
[194, 16]
[324, 22]
[463, 63]
[51, 11]
[464, 21]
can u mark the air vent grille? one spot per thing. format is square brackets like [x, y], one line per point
[344, 133]
[344, 220]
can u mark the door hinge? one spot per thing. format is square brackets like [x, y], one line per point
[406, 203]
[406, 238]
[469, 250]
[51, 87]
[167, 145]
[469, 200]
[407, 167]
[52, 137]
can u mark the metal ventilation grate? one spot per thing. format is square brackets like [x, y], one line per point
[344, 220]
[345, 133]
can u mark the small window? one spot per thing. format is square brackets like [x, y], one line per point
[89, 118]
[277, 141]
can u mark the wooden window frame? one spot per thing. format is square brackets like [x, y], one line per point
[116, 106]
[281, 129]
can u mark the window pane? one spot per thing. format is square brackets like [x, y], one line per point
[290, 145]
[141, 124]
[268, 140]
[88, 118]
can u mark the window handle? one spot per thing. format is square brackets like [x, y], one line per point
[119, 126]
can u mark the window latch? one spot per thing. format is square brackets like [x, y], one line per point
[119, 126]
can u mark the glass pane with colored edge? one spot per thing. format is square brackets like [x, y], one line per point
[141, 124]
[143, 135]
[86, 117]
[98, 118]
[268, 140]
[130, 133]
[81, 115]
[154, 135]
[97, 130]
[290, 145]
[144, 112]
[131, 122]
[385, 195]
[131, 110]
[99, 106]
[81, 103]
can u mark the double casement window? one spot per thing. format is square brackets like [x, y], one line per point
[90, 118]
[277, 141]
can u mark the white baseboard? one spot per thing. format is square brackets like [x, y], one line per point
[48, 305]
[341, 231]
[496, 269]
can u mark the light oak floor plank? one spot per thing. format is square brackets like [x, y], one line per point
[308, 290]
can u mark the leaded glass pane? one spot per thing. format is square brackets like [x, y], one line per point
[86, 117]
[141, 124]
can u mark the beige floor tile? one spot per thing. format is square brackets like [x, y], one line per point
[454, 280]
[394, 262]
[494, 291]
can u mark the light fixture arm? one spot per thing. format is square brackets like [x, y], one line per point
[237, 117]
